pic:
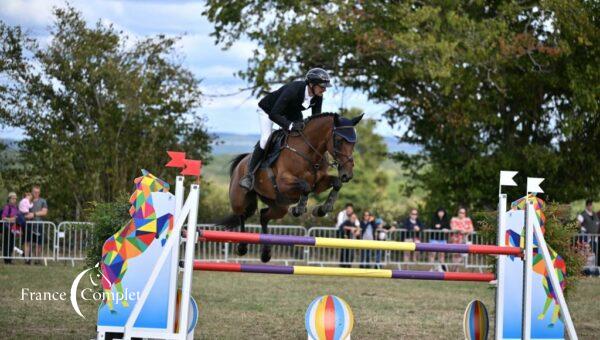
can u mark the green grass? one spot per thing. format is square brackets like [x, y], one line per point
[254, 306]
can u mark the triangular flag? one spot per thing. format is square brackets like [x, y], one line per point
[177, 159]
[192, 167]
[533, 184]
[506, 178]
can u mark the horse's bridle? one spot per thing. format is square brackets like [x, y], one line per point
[322, 156]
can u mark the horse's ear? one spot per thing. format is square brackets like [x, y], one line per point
[357, 119]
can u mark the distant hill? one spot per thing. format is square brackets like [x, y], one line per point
[232, 143]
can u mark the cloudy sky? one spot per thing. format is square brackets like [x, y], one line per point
[214, 66]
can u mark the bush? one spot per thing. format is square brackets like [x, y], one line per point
[107, 219]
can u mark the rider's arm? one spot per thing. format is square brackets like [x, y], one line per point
[276, 114]
[316, 109]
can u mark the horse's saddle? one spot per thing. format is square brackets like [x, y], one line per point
[274, 145]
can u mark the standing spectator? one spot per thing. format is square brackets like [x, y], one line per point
[368, 232]
[349, 229]
[440, 225]
[590, 224]
[35, 233]
[381, 233]
[9, 215]
[345, 214]
[461, 226]
[413, 226]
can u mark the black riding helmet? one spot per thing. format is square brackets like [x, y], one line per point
[318, 76]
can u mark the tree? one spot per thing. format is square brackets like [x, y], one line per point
[480, 85]
[95, 107]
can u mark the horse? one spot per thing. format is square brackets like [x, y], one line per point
[301, 169]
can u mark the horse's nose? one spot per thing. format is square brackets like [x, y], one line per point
[345, 178]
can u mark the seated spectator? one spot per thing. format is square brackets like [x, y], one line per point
[368, 231]
[440, 225]
[413, 226]
[461, 227]
[349, 229]
[9, 215]
[590, 225]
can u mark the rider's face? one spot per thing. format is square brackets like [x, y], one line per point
[319, 90]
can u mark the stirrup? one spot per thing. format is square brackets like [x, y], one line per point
[247, 182]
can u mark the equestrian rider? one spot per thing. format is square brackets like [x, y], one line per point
[284, 107]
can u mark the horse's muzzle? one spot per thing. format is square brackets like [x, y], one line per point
[345, 178]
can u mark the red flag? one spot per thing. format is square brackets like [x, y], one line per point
[177, 159]
[192, 167]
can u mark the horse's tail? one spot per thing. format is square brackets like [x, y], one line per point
[235, 161]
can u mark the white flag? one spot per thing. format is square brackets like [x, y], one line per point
[506, 178]
[533, 184]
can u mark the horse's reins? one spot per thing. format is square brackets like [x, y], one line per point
[316, 166]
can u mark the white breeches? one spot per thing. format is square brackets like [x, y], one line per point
[266, 127]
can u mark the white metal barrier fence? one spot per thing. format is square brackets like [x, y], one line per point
[33, 242]
[43, 241]
[72, 241]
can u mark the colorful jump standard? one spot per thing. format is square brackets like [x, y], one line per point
[349, 272]
[322, 242]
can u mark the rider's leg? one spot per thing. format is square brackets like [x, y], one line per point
[266, 126]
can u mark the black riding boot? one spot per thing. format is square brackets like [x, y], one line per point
[247, 182]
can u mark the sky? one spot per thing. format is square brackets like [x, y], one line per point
[216, 67]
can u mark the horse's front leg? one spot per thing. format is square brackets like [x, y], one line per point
[300, 208]
[324, 184]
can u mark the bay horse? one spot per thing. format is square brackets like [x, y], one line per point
[301, 169]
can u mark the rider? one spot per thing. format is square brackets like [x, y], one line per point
[284, 107]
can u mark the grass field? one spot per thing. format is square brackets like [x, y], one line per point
[252, 306]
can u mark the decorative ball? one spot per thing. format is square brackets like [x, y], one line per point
[476, 321]
[329, 318]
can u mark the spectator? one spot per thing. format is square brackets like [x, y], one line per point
[9, 215]
[413, 226]
[381, 232]
[368, 231]
[349, 229]
[35, 234]
[25, 206]
[345, 214]
[440, 225]
[590, 224]
[461, 226]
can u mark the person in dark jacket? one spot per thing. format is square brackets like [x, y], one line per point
[284, 107]
[438, 233]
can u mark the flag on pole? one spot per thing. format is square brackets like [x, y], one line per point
[506, 178]
[533, 184]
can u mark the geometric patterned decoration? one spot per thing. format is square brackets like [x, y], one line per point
[133, 239]
[539, 265]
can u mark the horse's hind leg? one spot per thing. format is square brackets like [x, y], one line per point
[267, 214]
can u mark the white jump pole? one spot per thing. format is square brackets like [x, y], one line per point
[564, 310]
[500, 268]
[506, 179]
[188, 268]
[528, 271]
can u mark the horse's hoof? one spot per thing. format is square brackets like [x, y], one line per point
[318, 211]
[242, 249]
[265, 255]
[297, 211]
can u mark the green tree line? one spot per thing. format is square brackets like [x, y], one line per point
[481, 86]
[95, 107]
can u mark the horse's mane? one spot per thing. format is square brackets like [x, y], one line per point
[320, 115]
